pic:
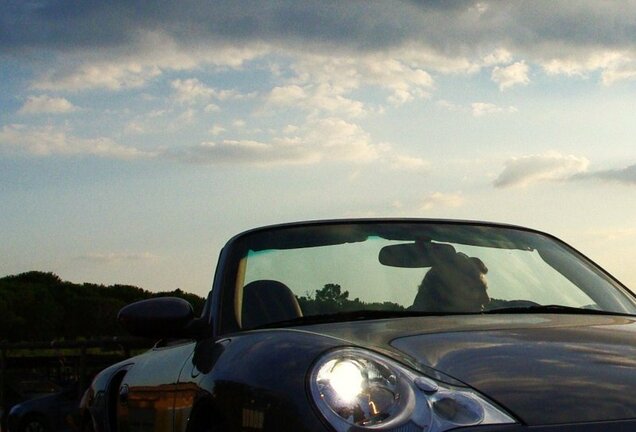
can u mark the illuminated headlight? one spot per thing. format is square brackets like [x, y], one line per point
[359, 390]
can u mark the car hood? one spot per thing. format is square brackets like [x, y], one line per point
[544, 369]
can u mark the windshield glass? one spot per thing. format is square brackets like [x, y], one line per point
[411, 267]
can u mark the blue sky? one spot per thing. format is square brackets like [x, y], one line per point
[135, 139]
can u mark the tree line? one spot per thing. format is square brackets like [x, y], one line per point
[331, 298]
[39, 306]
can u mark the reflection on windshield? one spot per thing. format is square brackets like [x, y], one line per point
[383, 268]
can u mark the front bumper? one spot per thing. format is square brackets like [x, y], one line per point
[606, 426]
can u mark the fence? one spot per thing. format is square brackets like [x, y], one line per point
[39, 365]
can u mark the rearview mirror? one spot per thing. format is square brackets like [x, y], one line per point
[415, 255]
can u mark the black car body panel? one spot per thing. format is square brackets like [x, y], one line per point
[270, 391]
[579, 372]
[546, 372]
[53, 412]
[210, 384]
[524, 360]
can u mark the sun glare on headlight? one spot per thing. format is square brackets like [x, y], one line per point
[345, 377]
[356, 389]
[360, 391]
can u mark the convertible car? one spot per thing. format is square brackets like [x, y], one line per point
[383, 325]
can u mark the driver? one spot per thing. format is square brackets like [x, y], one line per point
[457, 284]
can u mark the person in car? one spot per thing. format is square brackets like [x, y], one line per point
[455, 284]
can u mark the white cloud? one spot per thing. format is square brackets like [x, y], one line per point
[278, 152]
[191, 90]
[477, 109]
[551, 166]
[287, 95]
[325, 81]
[290, 129]
[217, 130]
[326, 100]
[224, 95]
[134, 128]
[321, 98]
[439, 199]
[187, 117]
[409, 163]
[510, 76]
[113, 75]
[340, 140]
[146, 57]
[46, 104]
[581, 63]
[48, 141]
[420, 56]
[406, 82]
[625, 72]
[449, 106]
[329, 139]
[614, 66]
[481, 8]
[239, 123]
[138, 42]
[480, 109]
[157, 113]
[625, 175]
[497, 57]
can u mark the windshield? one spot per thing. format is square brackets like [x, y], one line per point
[318, 270]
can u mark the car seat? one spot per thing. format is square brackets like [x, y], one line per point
[268, 301]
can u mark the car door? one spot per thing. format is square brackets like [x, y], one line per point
[147, 392]
[195, 380]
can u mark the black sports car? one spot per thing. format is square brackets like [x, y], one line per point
[383, 325]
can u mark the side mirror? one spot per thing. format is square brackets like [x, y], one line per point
[160, 317]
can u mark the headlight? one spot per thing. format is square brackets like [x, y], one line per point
[358, 390]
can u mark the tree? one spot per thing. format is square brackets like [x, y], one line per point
[37, 306]
[332, 293]
[332, 299]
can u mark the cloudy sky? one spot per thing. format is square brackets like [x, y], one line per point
[136, 138]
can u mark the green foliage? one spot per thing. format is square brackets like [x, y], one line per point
[37, 306]
[332, 299]
[332, 293]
